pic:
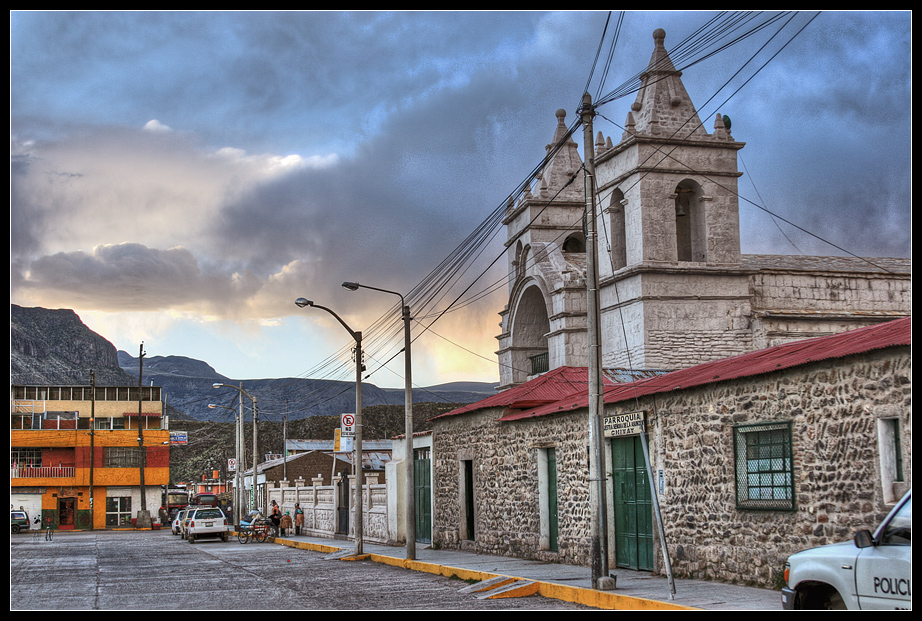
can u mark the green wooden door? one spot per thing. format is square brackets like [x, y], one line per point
[423, 494]
[633, 508]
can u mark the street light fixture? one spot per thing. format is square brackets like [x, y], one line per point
[238, 443]
[408, 422]
[359, 475]
[255, 452]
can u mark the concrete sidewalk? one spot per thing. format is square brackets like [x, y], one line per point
[501, 576]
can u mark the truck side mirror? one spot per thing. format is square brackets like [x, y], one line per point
[863, 539]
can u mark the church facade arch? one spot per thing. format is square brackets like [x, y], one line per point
[674, 287]
[529, 325]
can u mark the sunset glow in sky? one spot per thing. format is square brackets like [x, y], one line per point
[180, 178]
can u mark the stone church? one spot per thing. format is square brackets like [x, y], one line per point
[675, 288]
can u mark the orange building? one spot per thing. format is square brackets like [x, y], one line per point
[79, 455]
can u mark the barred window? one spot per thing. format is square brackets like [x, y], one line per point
[764, 466]
[123, 457]
[25, 457]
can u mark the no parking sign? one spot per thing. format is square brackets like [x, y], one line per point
[347, 425]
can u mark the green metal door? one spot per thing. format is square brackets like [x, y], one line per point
[632, 505]
[423, 494]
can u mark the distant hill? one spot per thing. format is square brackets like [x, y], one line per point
[188, 386]
[49, 347]
[54, 347]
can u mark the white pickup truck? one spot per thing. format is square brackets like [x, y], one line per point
[872, 572]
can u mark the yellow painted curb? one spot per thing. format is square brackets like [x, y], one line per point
[604, 600]
[313, 547]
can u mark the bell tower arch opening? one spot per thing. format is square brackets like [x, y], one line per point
[575, 242]
[690, 222]
[530, 326]
[617, 230]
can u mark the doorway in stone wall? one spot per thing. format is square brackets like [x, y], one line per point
[632, 505]
[422, 499]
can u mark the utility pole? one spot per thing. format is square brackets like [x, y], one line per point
[255, 450]
[285, 443]
[238, 479]
[357, 464]
[408, 420]
[408, 424]
[92, 440]
[241, 447]
[357, 469]
[143, 514]
[598, 519]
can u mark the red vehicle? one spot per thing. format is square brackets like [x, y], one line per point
[203, 500]
[176, 499]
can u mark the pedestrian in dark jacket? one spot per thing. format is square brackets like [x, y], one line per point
[275, 515]
[299, 518]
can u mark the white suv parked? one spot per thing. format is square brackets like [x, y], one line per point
[206, 522]
[873, 572]
[176, 526]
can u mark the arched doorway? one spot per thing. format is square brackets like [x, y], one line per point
[530, 326]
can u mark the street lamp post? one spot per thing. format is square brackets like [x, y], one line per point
[238, 442]
[255, 453]
[408, 395]
[359, 475]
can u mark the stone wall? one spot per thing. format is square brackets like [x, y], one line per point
[835, 407]
[505, 462]
[817, 291]
[321, 505]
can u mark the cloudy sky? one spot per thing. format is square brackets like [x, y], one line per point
[179, 179]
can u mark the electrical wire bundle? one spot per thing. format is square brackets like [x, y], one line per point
[450, 286]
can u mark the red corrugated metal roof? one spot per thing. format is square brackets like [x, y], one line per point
[891, 333]
[548, 388]
[551, 387]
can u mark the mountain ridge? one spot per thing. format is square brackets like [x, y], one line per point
[54, 347]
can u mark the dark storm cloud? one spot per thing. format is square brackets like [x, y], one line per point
[435, 118]
[128, 277]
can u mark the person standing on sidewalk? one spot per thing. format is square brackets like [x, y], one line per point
[275, 516]
[299, 518]
[285, 523]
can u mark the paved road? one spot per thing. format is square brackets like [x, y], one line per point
[154, 570]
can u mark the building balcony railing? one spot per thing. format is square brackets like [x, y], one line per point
[42, 472]
[539, 363]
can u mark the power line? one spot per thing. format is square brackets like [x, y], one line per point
[425, 299]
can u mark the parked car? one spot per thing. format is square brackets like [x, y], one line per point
[19, 520]
[184, 522]
[872, 572]
[176, 525]
[206, 522]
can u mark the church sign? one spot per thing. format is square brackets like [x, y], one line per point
[629, 424]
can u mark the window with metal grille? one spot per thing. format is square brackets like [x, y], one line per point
[764, 466]
[539, 363]
[25, 457]
[123, 457]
